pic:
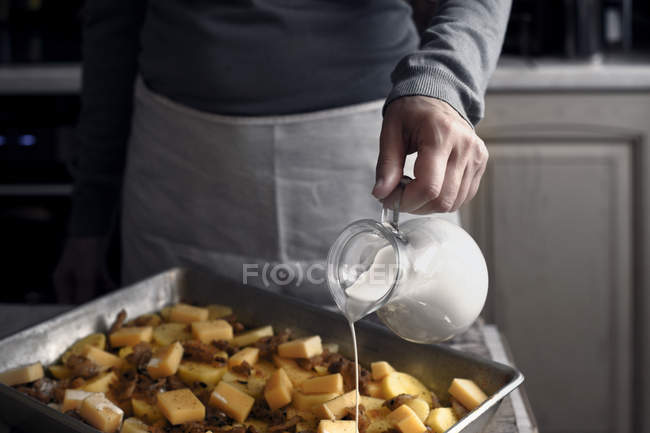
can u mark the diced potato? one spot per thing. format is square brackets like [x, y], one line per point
[248, 354]
[181, 406]
[72, 399]
[190, 372]
[260, 426]
[371, 403]
[331, 347]
[168, 333]
[380, 369]
[96, 340]
[147, 412]
[232, 377]
[165, 361]
[335, 408]
[308, 402]
[125, 351]
[467, 393]
[406, 420]
[296, 373]
[101, 413]
[164, 313]
[459, 410]
[216, 311]
[101, 383]
[255, 386]
[214, 330]
[374, 389]
[277, 392]
[332, 383]
[102, 358]
[152, 319]
[329, 426]
[309, 420]
[264, 369]
[397, 383]
[234, 402]
[60, 371]
[184, 313]
[131, 336]
[441, 419]
[250, 337]
[301, 348]
[134, 425]
[420, 407]
[19, 375]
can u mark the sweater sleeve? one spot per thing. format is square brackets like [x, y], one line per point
[111, 32]
[457, 56]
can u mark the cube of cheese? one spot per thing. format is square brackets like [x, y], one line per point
[406, 420]
[101, 383]
[131, 336]
[183, 313]
[467, 393]
[19, 375]
[296, 373]
[60, 371]
[278, 389]
[248, 354]
[134, 425]
[335, 408]
[191, 372]
[328, 426]
[250, 337]
[72, 399]
[101, 413]
[102, 358]
[145, 411]
[181, 406]
[420, 407]
[332, 383]
[441, 419]
[374, 389]
[234, 402]
[380, 369]
[301, 348]
[214, 330]
[217, 311]
[166, 360]
[307, 402]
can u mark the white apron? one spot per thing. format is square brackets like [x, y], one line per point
[255, 199]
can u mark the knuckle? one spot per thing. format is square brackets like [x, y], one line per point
[446, 204]
[432, 191]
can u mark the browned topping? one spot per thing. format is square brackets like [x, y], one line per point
[119, 321]
[244, 369]
[216, 417]
[237, 327]
[364, 421]
[262, 412]
[81, 366]
[397, 401]
[338, 364]
[141, 355]
[435, 402]
[458, 408]
[269, 345]
[147, 388]
[224, 346]
[288, 425]
[200, 352]
[42, 390]
[124, 388]
[173, 382]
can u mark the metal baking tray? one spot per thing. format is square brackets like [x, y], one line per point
[434, 365]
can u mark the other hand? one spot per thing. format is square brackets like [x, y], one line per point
[451, 157]
[82, 273]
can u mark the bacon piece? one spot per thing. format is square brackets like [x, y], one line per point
[80, 366]
[119, 321]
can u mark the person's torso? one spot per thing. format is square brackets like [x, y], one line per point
[260, 57]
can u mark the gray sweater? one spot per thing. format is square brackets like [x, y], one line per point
[264, 57]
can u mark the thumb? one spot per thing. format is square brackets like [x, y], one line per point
[392, 153]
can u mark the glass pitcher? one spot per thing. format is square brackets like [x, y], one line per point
[426, 278]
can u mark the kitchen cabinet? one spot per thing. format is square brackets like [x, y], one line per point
[562, 218]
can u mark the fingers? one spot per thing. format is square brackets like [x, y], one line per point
[430, 172]
[452, 184]
[392, 153]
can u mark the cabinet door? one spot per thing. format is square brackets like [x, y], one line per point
[554, 219]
